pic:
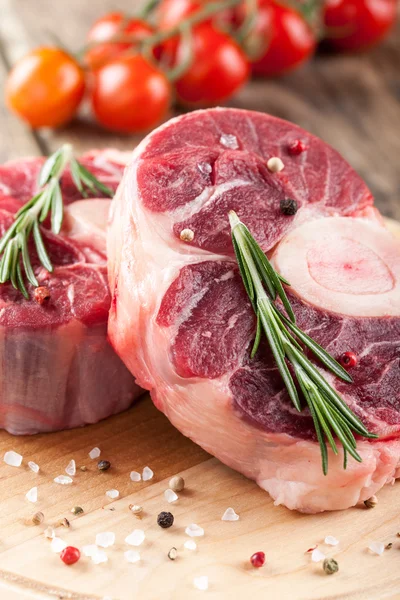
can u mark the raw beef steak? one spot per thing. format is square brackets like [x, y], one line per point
[181, 320]
[58, 369]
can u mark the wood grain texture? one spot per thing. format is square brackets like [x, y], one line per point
[351, 101]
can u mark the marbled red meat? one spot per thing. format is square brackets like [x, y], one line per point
[182, 323]
[58, 369]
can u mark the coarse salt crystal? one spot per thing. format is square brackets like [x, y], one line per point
[13, 458]
[105, 539]
[204, 168]
[194, 530]
[32, 495]
[331, 541]
[229, 141]
[132, 556]
[112, 494]
[147, 474]
[90, 550]
[63, 479]
[57, 544]
[377, 547]
[275, 164]
[71, 468]
[170, 496]
[190, 545]
[135, 476]
[317, 555]
[135, 538]
[230, 515]
[99, 557]
[49, 533]
[95, 453]
[201, 583]
[33, 466]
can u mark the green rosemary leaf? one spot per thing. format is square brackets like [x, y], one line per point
[246, 277]
[49, 167]
[276, 348]
[92, 182]
[28, 205]
[285, 281]
[6, 264]
[274, 280]
[20, 280]
[46, 201]
[27, 261]
[57, 209]
[76, 177]
[344, 458]
[14, 264]
[8, 235]
[40, 248]
[259, 258]
[318, 351]
[257, 339]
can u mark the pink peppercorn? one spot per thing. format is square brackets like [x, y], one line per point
[258, 559]
[348, 359]
[297, 147]
[70, 555]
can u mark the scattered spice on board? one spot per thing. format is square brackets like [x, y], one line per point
[190, 545]
[36, 519]
[94, 453]
[113, 494]
[170, 496]
[331, 541]
[63, 480]
[49, 533]
[288, 207]
[275, 164]
[106, 539]
[135, 538]
[147, 474]
[177, 483]
[33, 466]
[13, 459]
[173, 553]
[330, 566]
[257, 559]
[70, 555]
[371, 502]
[230, 515]
[103, 465]
[389, 546]
[83, 468]
[377, 548]
[165, 520]
[317, 555]
[135, 476]
[132, 556]
[32, 495]
[136, 509]
[201, 583]
[77, 510]
[63, 523]
[71, 468]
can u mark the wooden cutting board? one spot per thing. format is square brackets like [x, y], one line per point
[143, 436]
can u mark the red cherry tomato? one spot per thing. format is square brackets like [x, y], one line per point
[172, 12]
[218, 69]
[45, 87]
[130, 95]
[358, 24]
[290, 44]
[70, 555]
[106, 28]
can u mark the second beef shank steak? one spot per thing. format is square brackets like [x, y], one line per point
[58, 369]
[181, 320]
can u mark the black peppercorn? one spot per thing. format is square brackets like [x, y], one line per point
[103, 465]
[288, 206]
[165, 519]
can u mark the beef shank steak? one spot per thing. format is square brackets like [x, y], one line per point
[181, 321]
[58, 369]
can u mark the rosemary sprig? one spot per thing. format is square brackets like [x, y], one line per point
[48, 200]
[330, 414]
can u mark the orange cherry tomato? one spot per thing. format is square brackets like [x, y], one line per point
[45, 87]
[130, 95]
[218, 69]
[107, 27]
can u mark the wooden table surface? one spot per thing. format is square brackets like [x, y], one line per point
[351, 102]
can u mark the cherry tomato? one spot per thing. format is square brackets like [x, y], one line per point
[130, 95]
[358, 24]
[45, 87]
[172, 12]
[291, 41]
[218, 69]
[104, 29]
